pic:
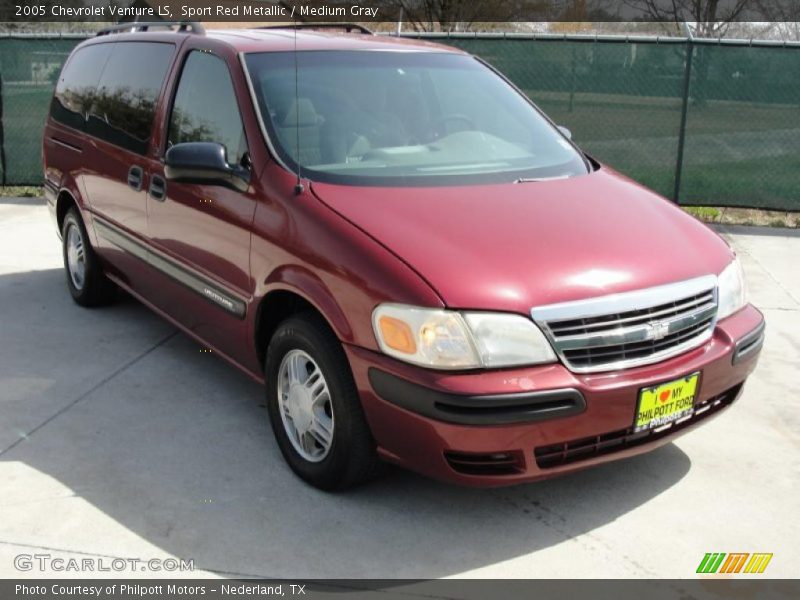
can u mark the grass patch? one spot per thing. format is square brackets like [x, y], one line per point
[704, 213]
[21, 191]
[744, 216]
[771, 182]
[612, 117]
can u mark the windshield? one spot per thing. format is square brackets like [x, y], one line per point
[403, 118]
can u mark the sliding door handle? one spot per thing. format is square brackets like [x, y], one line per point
[135, 175]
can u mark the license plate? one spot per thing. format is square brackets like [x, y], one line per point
[666, 402]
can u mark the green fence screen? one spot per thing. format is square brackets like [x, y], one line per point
[29, 68]
[722, 119]
[624, 102]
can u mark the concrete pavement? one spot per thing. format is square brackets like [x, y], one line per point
[120, 439]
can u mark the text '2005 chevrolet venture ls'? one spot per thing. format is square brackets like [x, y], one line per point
[416, 262]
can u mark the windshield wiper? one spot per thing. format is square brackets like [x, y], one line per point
[537, 179]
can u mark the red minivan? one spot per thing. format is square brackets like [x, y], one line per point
[418, 264]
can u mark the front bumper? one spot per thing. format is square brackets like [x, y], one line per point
[494, 428]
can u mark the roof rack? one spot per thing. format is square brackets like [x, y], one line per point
[348, 27]
[187, 26]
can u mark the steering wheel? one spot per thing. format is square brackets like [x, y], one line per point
[439, 122]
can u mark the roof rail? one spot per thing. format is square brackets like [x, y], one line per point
[187, 26]
[348, 27]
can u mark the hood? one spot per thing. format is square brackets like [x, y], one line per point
[510, 247]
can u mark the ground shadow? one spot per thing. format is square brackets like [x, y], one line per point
[782, 232]
[21, 200]
[174, 445]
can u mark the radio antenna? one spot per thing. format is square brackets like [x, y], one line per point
[298, 188]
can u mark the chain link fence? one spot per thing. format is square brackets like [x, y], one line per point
[29, 68]
[704, 123]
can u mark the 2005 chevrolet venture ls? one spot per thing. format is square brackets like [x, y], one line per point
[418, 264]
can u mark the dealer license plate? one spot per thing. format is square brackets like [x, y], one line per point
[666, 402]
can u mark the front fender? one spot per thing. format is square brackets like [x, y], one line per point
[300, 245]
[307, 285]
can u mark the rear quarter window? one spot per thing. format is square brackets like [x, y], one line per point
[111, 90]
[77, 85]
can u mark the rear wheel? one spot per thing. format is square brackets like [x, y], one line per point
[314, 407]
[87, 284]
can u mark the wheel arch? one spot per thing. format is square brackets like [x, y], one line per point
[64, 201]
[282, 300]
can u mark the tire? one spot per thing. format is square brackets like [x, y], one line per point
[86, 282]
[307, 345]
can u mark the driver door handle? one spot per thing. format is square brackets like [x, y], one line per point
[158, 188]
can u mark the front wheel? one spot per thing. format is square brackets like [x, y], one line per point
[314, 407]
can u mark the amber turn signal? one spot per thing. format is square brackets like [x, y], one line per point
[397, 335]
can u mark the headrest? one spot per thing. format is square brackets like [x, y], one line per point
[301, 113]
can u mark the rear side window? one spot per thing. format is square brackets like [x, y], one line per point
[124, 104]
[205, 108]
[77, 85]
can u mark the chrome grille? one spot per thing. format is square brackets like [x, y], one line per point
[633, 328]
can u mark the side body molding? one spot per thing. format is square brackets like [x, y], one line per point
[196, 282]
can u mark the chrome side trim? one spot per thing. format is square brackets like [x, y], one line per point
[51, 187]
[66, 145]
[197, 283]
[121, 240]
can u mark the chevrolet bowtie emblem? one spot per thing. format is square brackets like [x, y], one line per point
[656, 330]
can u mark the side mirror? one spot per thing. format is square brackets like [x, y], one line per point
[204, 163]
[567, 133]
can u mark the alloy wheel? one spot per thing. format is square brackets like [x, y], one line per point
[305, 405]
[76, 256]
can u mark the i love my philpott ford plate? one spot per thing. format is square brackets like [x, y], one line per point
[666, 402]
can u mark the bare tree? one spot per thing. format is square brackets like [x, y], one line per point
[460, 15]
[709, 18]
[785, 18]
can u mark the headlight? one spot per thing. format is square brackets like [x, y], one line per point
[732, 292]
[445, 339]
